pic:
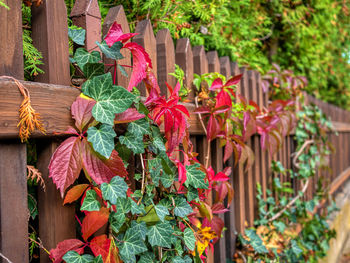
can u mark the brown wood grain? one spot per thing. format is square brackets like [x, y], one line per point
[117, 14]
[184, 58]
[86, 14]
[200, 61]
[13, 154]
[165, 60]
[213, 61]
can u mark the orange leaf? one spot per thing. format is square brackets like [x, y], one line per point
[94, 221]
[101, 245]
[74, 193]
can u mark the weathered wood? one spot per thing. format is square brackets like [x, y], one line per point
[165, 60]
[13, 155]
[200, 61]
[146, 39]
[234, 72]
[230, 233]
[86, 14]
[225, 67]
[117, 14]
[184, 58]
[213, 61]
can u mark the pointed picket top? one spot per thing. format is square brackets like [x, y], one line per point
[213, 61]
[117, 14]
[244, 83]
[86, 14]
[200, 61]
[165, 60]
[225, 67]
[146, 39]
[184, 58]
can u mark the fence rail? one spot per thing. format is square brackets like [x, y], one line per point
[52, 96]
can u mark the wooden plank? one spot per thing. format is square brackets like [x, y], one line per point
[165, 60]
[86, 14]
[200, 61]
[117, 14]
[56, 222]
[184, 58]
[225, 67]
[13, 155]
[146, 39]
[213, 61]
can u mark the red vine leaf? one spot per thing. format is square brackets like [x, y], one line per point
[66, 164]
[81, 111]
[101, 245]
[74, 193]
[94, 221]
[127, 116]
[115, 34]
[65, 246]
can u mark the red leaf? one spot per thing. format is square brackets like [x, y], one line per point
[141, 61]
[228, 150]
[221, 192]
[182, 173]
[234, 80]
[217, 84]
[94, 221]
[66, 163]
[212, 128]
[216, 224]
[219, 208]
[115, 34]
[223, 99]
[81, 111]
[74, 193]
[101, 171]
[129, 115]
[65, 246]
[101, 245]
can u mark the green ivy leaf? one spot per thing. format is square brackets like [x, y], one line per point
[117, 219]
[123, 205]
[179, 259]
[192, 194]
[139, 128]
[139, 228]
[117, 187]
[160, 234]
[182, 208]
[195, 177]
[137, 209]
[122, 70]
[110, 99]
[255, 241]
[189, 238]
[147, 257]
[82, 57]
[161, 211]
[133, 142]
[112, 52]
[295, 248]
[90, 202]
[93, 69]
[131, 245]
[102, 139]
[98, 259]
[74, 257]
[167, 179]
[77, 36]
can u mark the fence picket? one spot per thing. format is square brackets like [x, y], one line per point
[184, 58]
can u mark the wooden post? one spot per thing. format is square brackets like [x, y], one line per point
[184, 58]
[56, 222]
[165, 60]
[147, 40]
[13, 154]
[86, 14]
[117, 14]
[213, 61]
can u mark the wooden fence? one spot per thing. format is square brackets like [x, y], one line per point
[52, 95]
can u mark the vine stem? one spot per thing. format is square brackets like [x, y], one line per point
[207, 156]
[302, 148]
[40, 245]
[2, 255]
[143, 179]
[115, 73]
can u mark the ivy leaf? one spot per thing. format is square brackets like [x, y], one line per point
[116, 219]
[74, 257]
[123, 71]
[81, 111]
[146, 257]
[179, 259]
[133, 142]
[110, 99]
[182, 208]
[139, 128]
[167, 179]
[93, 221]
[137, 209]
[139, 228]
[161, 211]
[123, 205]
[66, 164]
[295, 248]
[131, 245]
[195, 177]
[77, 36]
[93, 69]
[102, 139]
[99, 259]
[65, 246]
[112, 52]
[255, 241]
[192, 194]
[82, 57]
[90, 202]
[160, 235]
[117, 187]
[189, 238]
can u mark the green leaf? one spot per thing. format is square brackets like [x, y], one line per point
[280, 226]
[255, 241]
[139, 127]
[161, 211]
[90, 202]
[82, 57]
[98, 259]
[189, 238]
[179, 259]
[195, 177]
[110, 99]
[139, 228]
[93, 69]
[122, 70]
[160, 235]
[77, 35]
[112, 52]
[123, 205]
[192, 194]
[102, 139]
[117, 187]
[147, 257]
[137, 209]
[74, 257]
[131, 245]
[117, 219]
[295, 248]
[182, 208]
[133, 142]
